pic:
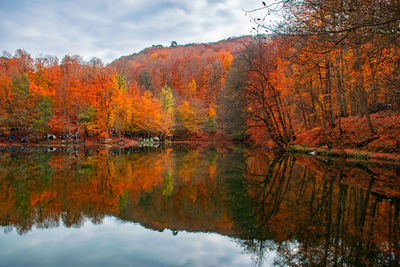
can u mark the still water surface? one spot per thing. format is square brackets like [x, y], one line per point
[191, 206]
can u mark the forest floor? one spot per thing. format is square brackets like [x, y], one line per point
[356, 138]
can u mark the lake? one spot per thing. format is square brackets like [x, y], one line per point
[194, 206]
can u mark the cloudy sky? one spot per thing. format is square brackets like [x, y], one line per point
[118, 243]
[108, 29]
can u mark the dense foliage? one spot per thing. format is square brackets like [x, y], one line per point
[159, 91]
[328, 61]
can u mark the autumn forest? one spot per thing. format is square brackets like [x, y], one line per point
[277, 146]
[328, 75]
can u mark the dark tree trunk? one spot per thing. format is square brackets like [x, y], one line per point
[361, 91]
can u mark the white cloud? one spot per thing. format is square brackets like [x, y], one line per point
[108, 29]
[121, 244]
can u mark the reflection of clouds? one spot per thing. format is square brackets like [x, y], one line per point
[109, 29]
[114, 243]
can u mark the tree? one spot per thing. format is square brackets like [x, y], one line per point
[85, 118]
[264, 104]
[191, 88]
[41, 114]
[186, 119]
[167, 99]
[145, 80]
[151, 112]
[121, 82]
[210, 124]
[355, 26]
[18, 108]
[120, 106]
[168, 105]
[232, 101]
[342, 21]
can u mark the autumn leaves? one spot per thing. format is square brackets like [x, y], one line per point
[154, 95]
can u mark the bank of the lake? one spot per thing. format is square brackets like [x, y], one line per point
[349, 153]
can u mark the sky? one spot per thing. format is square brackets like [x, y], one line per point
[118, 243]
[108, 29]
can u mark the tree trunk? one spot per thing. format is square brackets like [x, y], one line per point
[363, 102]
[328, 94]
[341, 93]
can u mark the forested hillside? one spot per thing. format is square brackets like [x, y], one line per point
[160, 91]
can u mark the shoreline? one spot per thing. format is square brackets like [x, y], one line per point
[355, 154]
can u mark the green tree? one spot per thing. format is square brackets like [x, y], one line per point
[121, 82]
[17, 109]
[168, 105]
[42, 111]
[231, 102]
[85, 118]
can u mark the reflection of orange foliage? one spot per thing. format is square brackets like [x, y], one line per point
[283, 198]
[212, 169]
[42, 197]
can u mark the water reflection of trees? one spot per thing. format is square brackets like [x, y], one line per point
[43, 189]
[316, 213]
[307, 212]
[160, 185]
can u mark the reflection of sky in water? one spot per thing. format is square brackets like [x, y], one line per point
[113, 243]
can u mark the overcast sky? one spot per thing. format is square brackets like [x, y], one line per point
[108, 29]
